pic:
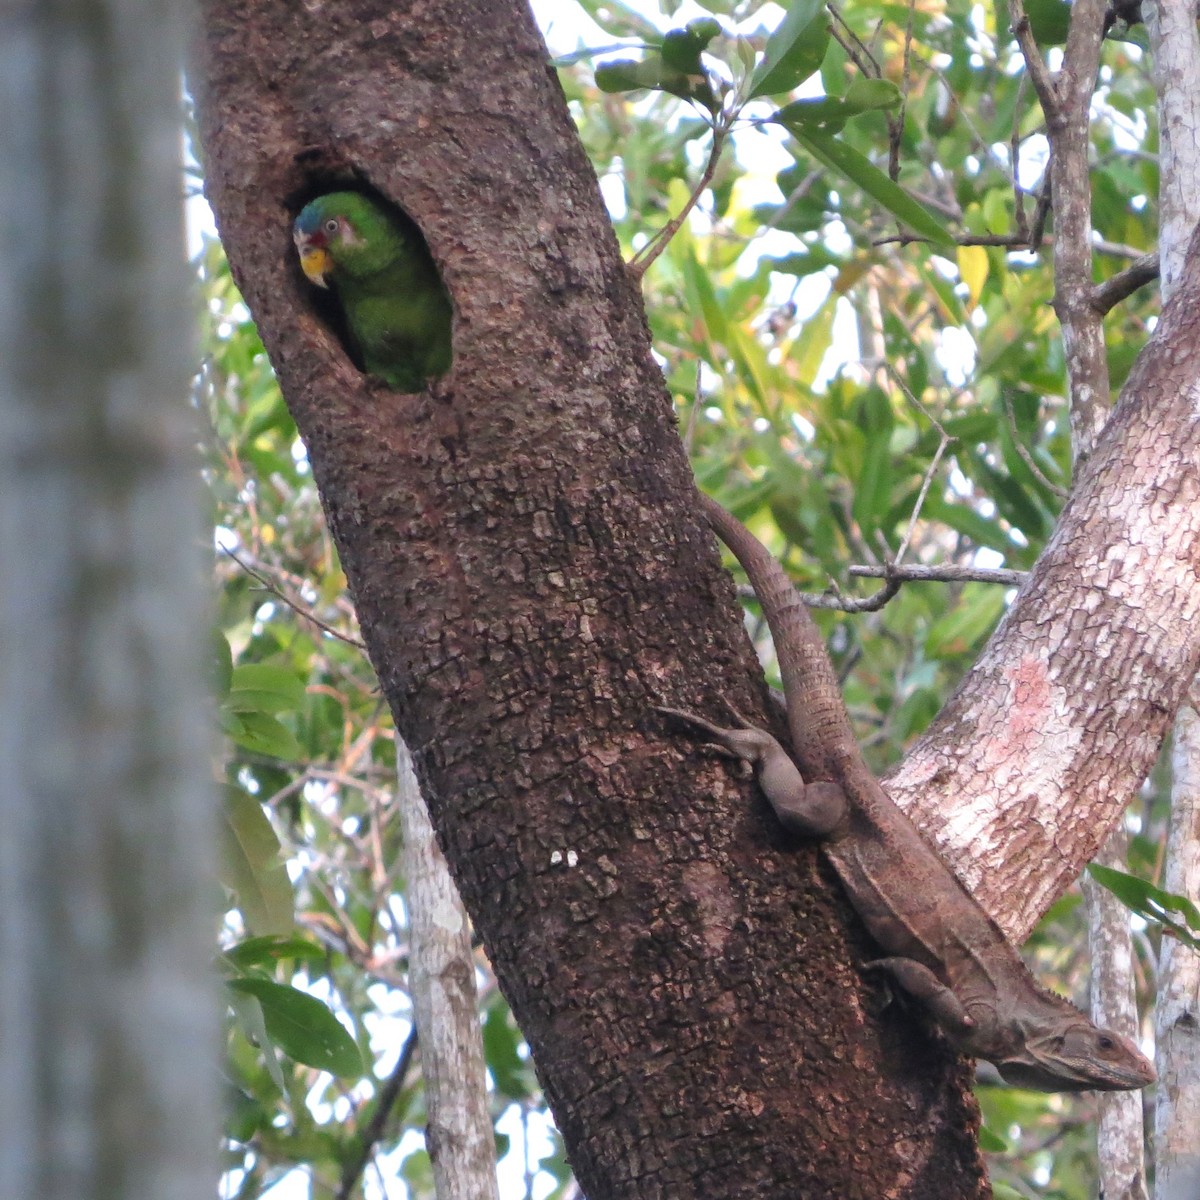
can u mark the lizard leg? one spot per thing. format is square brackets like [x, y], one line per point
[923, 985]
[812, 809]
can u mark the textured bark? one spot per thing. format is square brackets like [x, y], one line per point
[1119, 1132]
[1035, 756]
[1177, 1014]
[108, 1012]
[1175, 50]
[1068, 126]
[441, 972]
[1175, 60]
[529, 582]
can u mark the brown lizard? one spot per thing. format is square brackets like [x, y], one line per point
[941, 947]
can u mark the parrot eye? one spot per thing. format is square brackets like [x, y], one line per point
[331, 226]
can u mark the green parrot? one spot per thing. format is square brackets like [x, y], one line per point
[396, 306]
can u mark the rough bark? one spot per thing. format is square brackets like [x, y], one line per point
[529, 582]
[1035, 756]
[441, 970]
[1119, 1131]
[1177, 1014]
[1175, 61]
[1068, 126]
[1175, 50]
[108, 1017]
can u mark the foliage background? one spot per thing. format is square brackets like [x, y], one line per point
[833, 379]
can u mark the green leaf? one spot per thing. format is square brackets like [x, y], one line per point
[829, 113]
[848, 162]
[977, 611]
[682, 48]
[258, 687]
[265, 735]
[249, 1015]
[874, 485]
[1003, 1191]
[584, 53]
[794, 51]
[302, 1027]
[510, 1073]
[1153, 903]
[1049, 21]
[270, 949]
[220, 664]
[992, 1142]
[980, 529]
[252, 866]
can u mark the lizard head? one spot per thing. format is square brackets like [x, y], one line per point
[1077, 1056]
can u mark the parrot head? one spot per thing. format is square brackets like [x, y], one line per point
[329, 232]
[315, 229]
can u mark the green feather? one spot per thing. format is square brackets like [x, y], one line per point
[397, 309]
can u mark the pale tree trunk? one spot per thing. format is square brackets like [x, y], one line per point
[1119, 1135]
[1175, 55]
[1177, 1015]
[441, 981]
[1034, 758]
[1098, 647]
[107, 1009]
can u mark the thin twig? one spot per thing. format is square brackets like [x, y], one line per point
[299, 609]
[1014, 162]
[1041, 213]
[859, 52]
[1026, 456]
[694, 415]
[944, 573]
[848, 604]
[388, 1095]
[896, 122]
[944, 440]
[658, 243]
[1117, 249]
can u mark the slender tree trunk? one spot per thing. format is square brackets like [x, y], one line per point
[445, 1003]
[1175, 50]
[107, 1009]
[1119, 1135]
[1177, 1024]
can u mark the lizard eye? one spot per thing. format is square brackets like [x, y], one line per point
[331, 226]
[1105, 1042]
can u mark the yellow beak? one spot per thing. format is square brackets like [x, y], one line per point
[316, 264]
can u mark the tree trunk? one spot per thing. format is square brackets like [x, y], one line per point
[108, 1019]
[529, 587]
[445, 1000]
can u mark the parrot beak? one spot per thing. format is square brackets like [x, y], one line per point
[316, 264]
[315, 261]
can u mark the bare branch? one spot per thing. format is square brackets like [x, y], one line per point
[1039, 73]
[296, 606]
[658, 243]
[943, 573]
[1107, 295]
